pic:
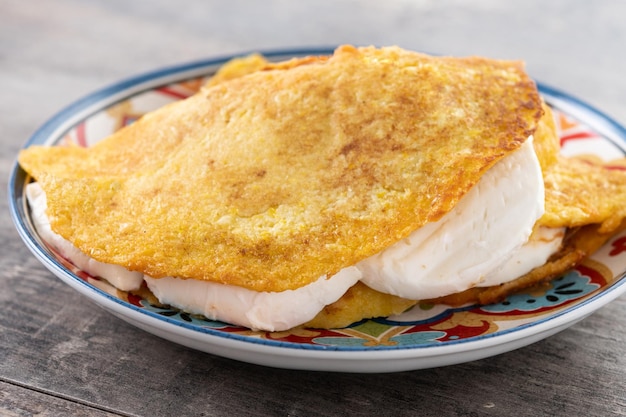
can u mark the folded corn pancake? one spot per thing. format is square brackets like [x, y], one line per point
[275, 175]
[325, 165]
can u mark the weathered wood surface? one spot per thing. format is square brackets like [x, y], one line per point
[60, 355]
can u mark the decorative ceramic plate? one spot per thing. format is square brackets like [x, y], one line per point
[423, 337]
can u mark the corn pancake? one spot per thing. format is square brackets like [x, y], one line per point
[127, 150]
[579, 193]
[272, 179]
[362, 302]
[546, 140]
[238, 67]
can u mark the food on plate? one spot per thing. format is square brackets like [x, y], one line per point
[323, 190]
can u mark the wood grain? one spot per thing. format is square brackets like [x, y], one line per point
[16, 401]
[61, 355]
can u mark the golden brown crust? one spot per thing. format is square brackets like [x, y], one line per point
[239, 67]
[273, 179]
[580, 193]
[358, 303]
[546, 140]
[578, 244]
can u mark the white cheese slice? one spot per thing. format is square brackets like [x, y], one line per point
[544, 242]
[271, 311]
[487, 226]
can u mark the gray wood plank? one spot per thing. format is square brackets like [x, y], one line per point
[16, 401]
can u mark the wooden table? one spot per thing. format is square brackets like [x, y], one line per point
[61, 355]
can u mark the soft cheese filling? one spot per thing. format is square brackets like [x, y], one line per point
[483, 241]
[273, 311]
[486, 227]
